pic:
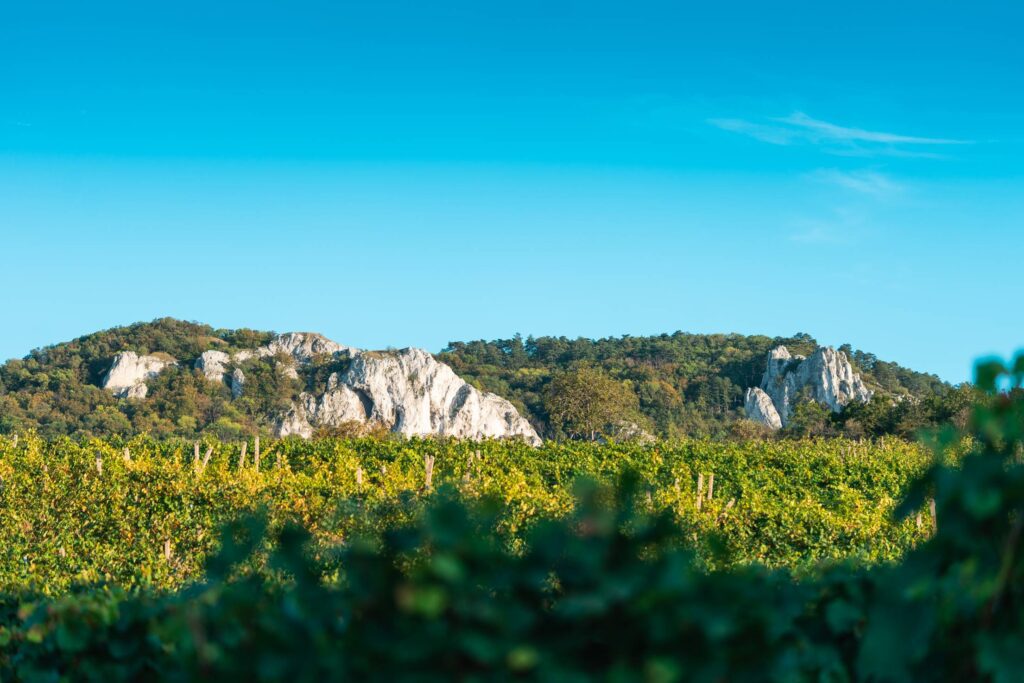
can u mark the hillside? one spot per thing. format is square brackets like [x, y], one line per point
[694, 384]
[679, 384]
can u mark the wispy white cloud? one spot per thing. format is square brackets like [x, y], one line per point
[799, 128]
[776, 135]
[841, 228]
[865, 182]
[823, 130]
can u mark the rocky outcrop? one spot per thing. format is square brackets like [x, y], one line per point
[300, 347]
[305, 346]
[213, 364]
[415, 395]
[237, 382]
[826, 376]
[408, 391]
[294, 423]
[760, 408]
[338, 405]
[129, 371]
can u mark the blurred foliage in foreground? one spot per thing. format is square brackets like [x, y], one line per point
[612, 592]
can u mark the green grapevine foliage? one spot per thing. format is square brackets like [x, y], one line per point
[145, 513]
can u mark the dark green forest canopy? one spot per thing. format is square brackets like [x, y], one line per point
[686, 384]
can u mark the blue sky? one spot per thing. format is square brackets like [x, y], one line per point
[409, 173]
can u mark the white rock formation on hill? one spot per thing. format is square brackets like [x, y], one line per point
[304, 346]
[408, 391]
[415, 395]
[294, 423]
[127, 375]
[213, 364]
[760, 408]
[237, 382]
[826, 376]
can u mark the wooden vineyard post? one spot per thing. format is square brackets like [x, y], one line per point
[256, 454]
[700, 491]
[99, 465]
[206, 459]
[241, 456]
[711, 486]
[428, 464]
[931, 509]
[359, 478]
[195, 455]
[127, 454]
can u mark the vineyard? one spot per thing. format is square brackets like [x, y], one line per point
[147, 514]
[826, 560]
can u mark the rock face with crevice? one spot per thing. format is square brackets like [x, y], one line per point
[213, 364]
[826, 376]
[408, 391]
[760, 408]
[305, 346]
[293, 423]
[415, 395]
[129, 371]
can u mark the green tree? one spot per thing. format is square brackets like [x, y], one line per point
[810, 418]
[585, 403]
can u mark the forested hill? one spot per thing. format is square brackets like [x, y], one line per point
[686, 384]
[672, 385]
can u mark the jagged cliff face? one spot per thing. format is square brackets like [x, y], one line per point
[408, 391]
[760, 408]
[826, 376]
[129, 371]
[413, 394]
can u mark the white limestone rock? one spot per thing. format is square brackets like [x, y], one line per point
[304, 346]
[213, 364]
[826, 376]
[290, 371]
[409, 391]
[412, 394]
[760, 408]
[338, 405]
[294, 423]
[416, 395]
[246, 354]
[832, 379]
[129, 371]
[237, 382]
[779, 383]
